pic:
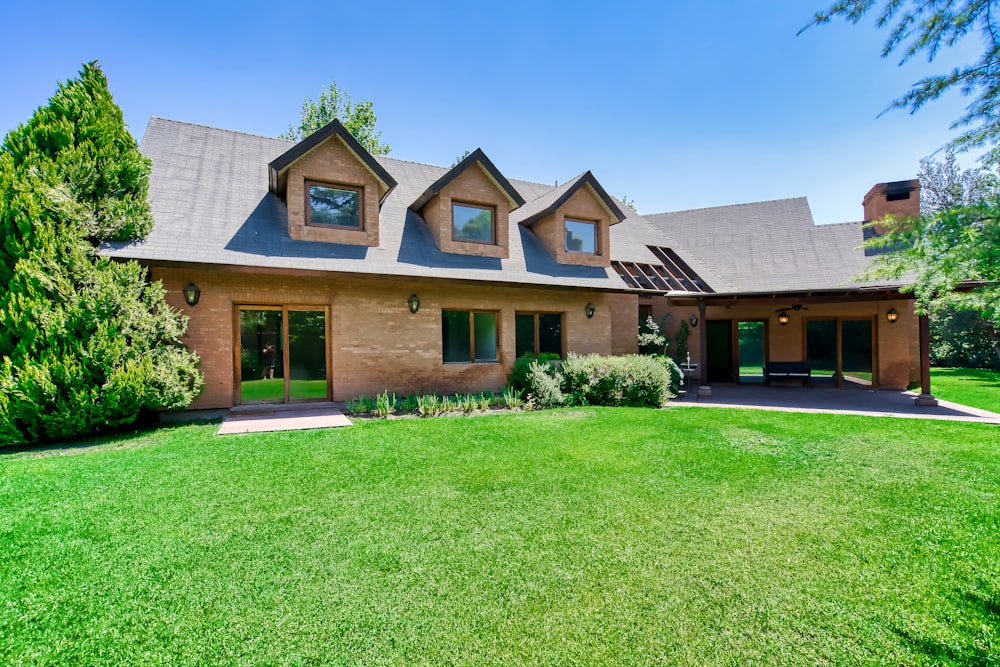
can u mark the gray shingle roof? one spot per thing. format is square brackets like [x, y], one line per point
[768, 246]
[210, 201]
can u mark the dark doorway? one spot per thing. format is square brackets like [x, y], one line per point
[720, 350]
[751, 351]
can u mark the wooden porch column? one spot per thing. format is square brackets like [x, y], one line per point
[703, 388]
[925, 399]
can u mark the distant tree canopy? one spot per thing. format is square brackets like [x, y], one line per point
[335, 103]
[958, 338]
[86, 343]
[948, 246]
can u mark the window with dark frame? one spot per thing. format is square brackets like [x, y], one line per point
[472, 222]
[330, 205]
[468, 336]
[538, 333]
[581, 236]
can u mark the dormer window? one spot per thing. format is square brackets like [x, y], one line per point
[330, 205]
[581, 236]
[472, 222]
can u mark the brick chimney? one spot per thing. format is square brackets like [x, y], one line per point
[900, 198]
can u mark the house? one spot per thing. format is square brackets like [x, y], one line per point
[314, 271]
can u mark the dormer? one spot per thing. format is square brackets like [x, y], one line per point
[573, 221]
[468, 209]
[333, 187]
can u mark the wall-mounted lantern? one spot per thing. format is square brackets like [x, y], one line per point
[892, 316]
[693, 320]
[414, 303]
[783, 318]
[192, 294]
[589, 310]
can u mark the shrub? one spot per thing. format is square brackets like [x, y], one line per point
[518, 377]
[635, 380]
[543, 385]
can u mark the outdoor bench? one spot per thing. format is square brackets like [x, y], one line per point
[788, 369]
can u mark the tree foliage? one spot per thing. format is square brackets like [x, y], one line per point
[958, 338]
[85, 343]
[956, 239]
[925, 27]
[334, 103]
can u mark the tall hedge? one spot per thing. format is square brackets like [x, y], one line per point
[86, 343]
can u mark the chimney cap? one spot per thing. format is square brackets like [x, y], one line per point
[892, 188]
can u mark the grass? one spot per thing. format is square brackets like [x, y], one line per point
[969, 386]
[576, 536]
[274, 389]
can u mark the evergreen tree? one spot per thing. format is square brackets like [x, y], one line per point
[86, 343]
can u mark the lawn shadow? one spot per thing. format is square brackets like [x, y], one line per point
[986, 604]
[132, 436]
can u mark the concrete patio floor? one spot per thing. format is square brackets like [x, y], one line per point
[793, 397]
[295, 417]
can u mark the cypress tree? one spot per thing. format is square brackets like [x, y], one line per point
[86, 343]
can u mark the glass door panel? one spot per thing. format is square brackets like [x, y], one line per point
[262, 370]
[856, 351]
[751, 351]
[821, 349]
[307, 355]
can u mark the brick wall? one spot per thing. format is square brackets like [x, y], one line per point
[472, 186]
[375, 342]
[582, 205]
[332, 163]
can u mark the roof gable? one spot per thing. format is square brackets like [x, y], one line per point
[477, 157]
[278, 168]
[551, 201]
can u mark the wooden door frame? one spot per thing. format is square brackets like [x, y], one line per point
[284, 309]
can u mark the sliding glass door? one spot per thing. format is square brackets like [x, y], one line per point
[282, 354]
[841, 350]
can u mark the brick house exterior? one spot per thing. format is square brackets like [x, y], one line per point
[342, 274]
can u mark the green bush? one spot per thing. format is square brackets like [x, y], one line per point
[543, 385]
[518, 376]
[634, 380]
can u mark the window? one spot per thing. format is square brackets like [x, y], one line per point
[472, 222]
[468, 336]
[645, 311]
[538, 333]
[334, 205]
[581, 236]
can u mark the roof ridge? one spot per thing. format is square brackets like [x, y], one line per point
[838, 224]
[377, 157]
[221, 129]
[749, 203]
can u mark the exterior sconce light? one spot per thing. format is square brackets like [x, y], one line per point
[414, 303]
[192, 294]
[783, 319]
[892, 316]
[693, 320]
[589, 310]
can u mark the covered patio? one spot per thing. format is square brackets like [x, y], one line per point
[793, 397]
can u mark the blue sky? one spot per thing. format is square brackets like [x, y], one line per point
[677, 104]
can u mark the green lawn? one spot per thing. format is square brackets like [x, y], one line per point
[970, 386]
[577, 536]
[274, 389]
